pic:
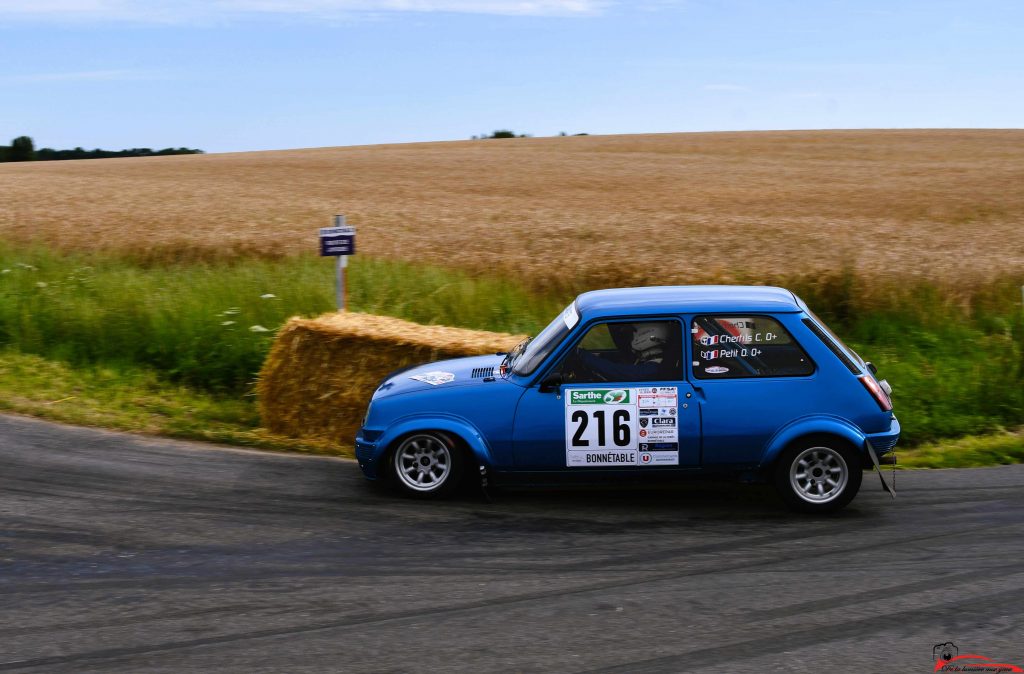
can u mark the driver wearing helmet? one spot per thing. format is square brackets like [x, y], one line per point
[642, 361]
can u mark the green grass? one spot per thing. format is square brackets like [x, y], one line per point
[954, 357]
[134, 399]
[968, 452]
[210, 325]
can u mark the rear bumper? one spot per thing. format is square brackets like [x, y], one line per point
[884, 442]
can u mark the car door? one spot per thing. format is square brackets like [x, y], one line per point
[751, 377]
[608, 406]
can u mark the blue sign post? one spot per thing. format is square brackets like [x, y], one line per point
[339, 242]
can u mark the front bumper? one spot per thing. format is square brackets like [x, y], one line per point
[366, 452]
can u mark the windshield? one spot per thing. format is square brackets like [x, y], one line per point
[531, 353]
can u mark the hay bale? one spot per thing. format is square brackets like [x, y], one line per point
[321, 372]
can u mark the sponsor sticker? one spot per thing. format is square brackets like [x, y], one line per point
[659, 446]
[434, 378]
[665, 458]
[716, 369]
[619, 396]
[599, 459]
[660, 399]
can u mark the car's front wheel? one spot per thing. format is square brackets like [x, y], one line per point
[427, 464]
[819, 476]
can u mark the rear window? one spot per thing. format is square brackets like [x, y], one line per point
[833, 346]
[833, 337]
[732, 347]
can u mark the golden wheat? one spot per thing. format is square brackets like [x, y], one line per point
[937, 204]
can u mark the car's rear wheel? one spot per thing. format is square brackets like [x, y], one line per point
[427, 464]
[818, 476]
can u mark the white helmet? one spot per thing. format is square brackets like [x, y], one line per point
[649, 340]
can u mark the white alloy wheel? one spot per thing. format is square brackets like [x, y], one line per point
[424, 463]
[819, 475]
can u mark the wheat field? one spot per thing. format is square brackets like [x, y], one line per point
[928, 204]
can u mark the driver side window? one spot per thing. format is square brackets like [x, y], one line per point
[639, 351]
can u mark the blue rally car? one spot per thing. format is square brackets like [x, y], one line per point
[632, 383]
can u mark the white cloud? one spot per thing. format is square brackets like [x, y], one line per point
[188, 10]
[724, 87]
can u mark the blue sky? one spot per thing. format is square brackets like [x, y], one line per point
[227, 75]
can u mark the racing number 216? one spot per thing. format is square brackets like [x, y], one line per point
[619, 427]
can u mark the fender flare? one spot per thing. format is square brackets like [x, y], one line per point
[450, 423]
[814, 425]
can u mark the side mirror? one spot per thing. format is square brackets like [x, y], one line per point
[551, 383]
[871, 367]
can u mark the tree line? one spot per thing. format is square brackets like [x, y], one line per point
[508, 133]
[23, 148]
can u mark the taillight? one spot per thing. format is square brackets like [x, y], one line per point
[876, 391]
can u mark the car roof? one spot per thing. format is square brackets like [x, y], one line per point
[687, 299]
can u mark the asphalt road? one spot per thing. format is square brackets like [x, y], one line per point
[127, 554]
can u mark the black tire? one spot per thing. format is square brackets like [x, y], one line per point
[428, 464]
[819, 475]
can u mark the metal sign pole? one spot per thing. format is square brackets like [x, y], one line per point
[339, 241]
[340, 292]
[341, 262]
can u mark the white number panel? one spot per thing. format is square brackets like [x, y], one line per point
[621, 427]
